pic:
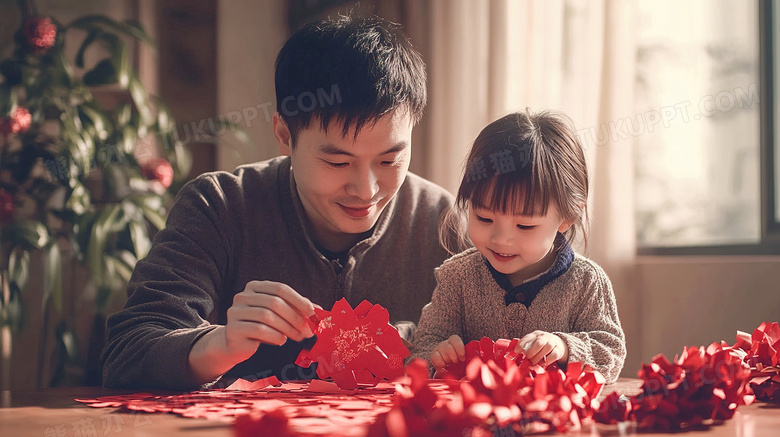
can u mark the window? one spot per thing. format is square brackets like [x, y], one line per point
[703, 164]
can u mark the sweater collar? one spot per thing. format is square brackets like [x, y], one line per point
[526, 292]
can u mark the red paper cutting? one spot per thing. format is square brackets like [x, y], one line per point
[357, 346]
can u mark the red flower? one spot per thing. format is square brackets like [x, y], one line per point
[18, 122]
[40, 33]
[158, 169]
[6, 206]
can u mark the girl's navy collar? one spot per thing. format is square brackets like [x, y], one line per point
[527, 291]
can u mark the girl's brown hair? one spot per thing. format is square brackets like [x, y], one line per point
[519, 164]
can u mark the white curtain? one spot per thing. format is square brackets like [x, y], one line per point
[488, 58]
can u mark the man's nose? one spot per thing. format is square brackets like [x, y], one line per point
[364, 184]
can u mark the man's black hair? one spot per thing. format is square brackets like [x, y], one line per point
[353, 70]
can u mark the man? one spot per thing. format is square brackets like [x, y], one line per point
[246, 256]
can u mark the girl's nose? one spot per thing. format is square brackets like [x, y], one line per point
[501, 235]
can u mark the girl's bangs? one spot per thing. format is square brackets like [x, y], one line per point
[507, 195]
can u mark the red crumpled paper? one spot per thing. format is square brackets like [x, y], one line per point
[357, 346]
[422, 407]
[761, 354]
[503, 393]
[700, 387]
[558, 400]
[613, 409]
[487, 350]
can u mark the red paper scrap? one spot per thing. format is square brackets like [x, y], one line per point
[244, 385]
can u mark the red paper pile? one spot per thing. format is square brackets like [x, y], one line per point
[495, 393]
[700, 387]
[761, 354]
[357, 346]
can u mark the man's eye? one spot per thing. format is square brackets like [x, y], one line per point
[336, 164]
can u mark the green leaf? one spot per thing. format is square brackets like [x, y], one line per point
[98, 240]
[128, 139]
[141, 100]
[79, 146]
[69, 343]
[28, 234]
[99, 120]
[79, 199]
[121, 267]
[181, 160]
[150, 205]
[11, 314]
[64, 67]
[140, 236]
[128, 27]
[19, 268]
[124, 114]
[52, 276]
[165, 121]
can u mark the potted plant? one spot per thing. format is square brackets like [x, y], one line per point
[72, 180]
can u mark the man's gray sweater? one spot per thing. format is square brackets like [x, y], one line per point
[226, 229]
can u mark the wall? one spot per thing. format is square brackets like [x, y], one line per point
[699, 300]
[249, 35]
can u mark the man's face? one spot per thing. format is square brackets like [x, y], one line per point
[345, 182]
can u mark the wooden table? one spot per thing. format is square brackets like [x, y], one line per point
[54, 413]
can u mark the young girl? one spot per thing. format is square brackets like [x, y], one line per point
[525, 193]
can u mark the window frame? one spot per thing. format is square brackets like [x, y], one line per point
[769, 243]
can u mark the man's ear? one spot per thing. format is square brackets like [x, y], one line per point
[282, 134]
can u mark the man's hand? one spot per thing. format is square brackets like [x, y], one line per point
[448, 352]
[265, 312]
[543, 348]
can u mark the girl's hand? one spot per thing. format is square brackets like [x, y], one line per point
[543, 348]
[449, 351]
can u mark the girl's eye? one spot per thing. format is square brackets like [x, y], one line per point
[336, 164]
[525, 228]
[483, 219]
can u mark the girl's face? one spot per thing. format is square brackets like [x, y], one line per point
[516, 245]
